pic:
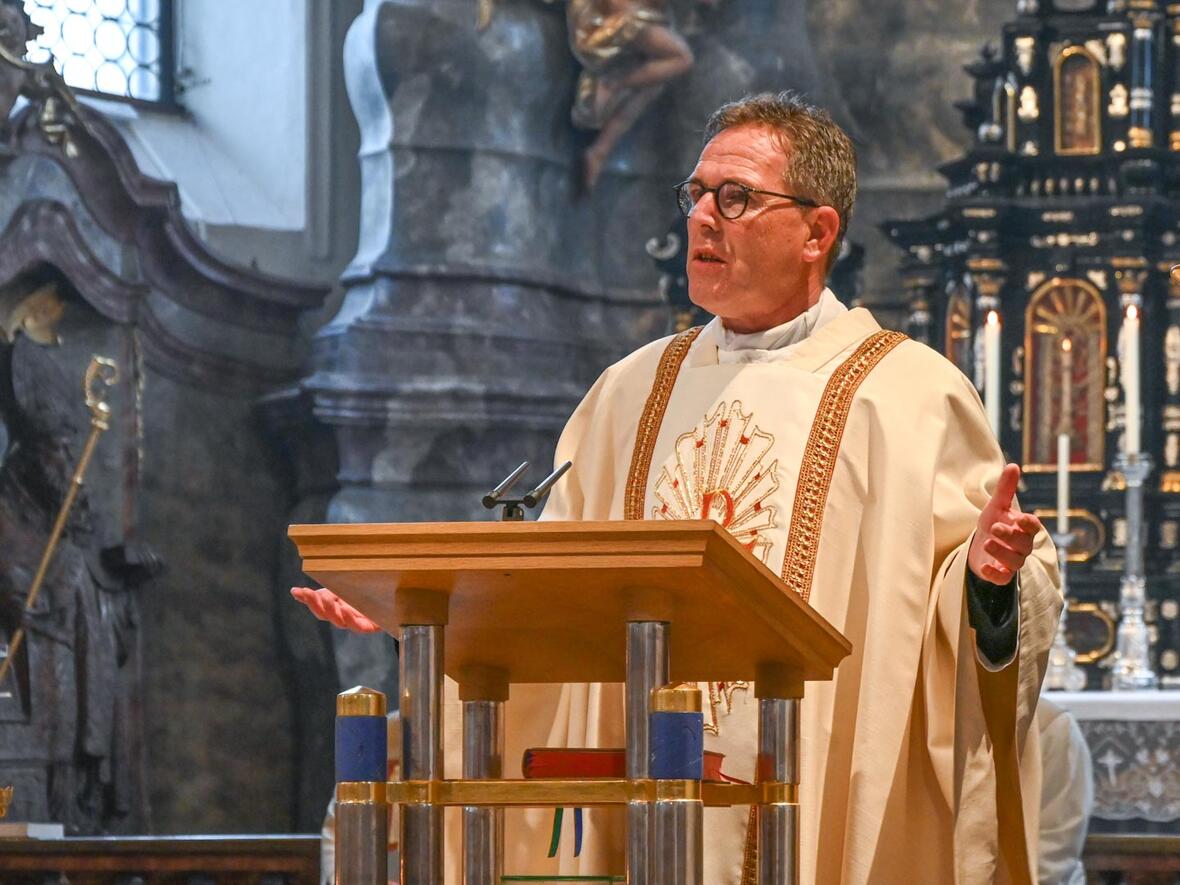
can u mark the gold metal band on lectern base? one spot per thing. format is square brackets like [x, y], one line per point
[589, 793]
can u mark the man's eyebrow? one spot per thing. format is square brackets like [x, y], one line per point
[729, 179]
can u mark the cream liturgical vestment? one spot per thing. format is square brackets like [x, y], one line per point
[901, 778]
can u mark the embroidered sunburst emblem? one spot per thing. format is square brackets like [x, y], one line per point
[722, 693]
[720, 472]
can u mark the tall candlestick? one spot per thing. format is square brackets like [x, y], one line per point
[1064, 436]
[1063, 483]
[991, 378]
[1131, 378]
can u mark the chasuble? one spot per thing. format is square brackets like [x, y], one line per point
[918, 764]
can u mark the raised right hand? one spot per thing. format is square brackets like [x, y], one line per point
[327, 606]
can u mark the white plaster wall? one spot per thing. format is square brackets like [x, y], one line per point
[239, 151]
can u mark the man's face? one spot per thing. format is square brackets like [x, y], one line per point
[752, 271]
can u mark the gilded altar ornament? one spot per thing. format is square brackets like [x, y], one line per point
[102, 373]
[1087, 531]
[1010, 93]
[1077, 125]
[1140, 136]
[5, 800]
[1029, 110]
[1172, 359]
[1169, 534]
[1106, 630]
[1025, 47]
[1118, 106]
[1116, 50]
[958, 328]
[1097, 49]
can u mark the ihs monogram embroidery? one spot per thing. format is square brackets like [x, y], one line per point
[719, 473]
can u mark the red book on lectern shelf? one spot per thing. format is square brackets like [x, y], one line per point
[555, 762]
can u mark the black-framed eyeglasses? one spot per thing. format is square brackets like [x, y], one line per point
[732, 198]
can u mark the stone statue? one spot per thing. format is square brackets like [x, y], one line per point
[629, 51]
[70, 713]
[40, 82]
[16, 30]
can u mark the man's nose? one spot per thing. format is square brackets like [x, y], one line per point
[704, 211]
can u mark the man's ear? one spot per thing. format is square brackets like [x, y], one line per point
[825, 227]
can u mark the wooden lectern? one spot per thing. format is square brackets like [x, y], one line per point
[645, 603]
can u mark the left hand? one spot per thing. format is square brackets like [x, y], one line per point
[1004, 535]
[327, 606]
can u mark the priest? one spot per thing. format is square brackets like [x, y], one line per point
[859, 466]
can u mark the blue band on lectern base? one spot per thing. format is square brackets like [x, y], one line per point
[677, 746]
[361, 751]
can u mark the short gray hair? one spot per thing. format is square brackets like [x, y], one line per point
[821, 161]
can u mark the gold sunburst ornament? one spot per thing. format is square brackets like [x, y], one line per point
[721, 472]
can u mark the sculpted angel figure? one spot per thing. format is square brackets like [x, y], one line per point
[629, 51]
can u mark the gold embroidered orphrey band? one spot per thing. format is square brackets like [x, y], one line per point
[652, 419]
[811, 496]
[819, 458]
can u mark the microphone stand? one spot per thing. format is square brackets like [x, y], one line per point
[514, 507]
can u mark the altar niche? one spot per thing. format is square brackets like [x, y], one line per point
[1060, 310]
[69, 704]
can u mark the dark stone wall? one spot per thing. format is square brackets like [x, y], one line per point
[891, 72]
[216, 698]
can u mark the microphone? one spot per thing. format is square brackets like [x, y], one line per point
[491, 498]
[534, 497]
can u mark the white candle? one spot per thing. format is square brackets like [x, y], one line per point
[1131, 378]
[1062, 483]
[1063, 437]
[991, 378]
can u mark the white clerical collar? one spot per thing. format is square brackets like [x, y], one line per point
[773, 344]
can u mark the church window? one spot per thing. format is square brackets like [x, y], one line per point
[112, 48]
[1077, 85]
[1063, 309]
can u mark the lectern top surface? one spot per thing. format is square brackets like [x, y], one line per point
[549, 601]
